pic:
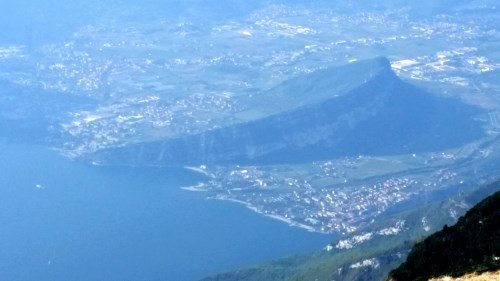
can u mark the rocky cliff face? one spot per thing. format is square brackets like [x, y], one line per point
[362, 108]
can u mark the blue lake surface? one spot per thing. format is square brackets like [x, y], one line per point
[63, 220]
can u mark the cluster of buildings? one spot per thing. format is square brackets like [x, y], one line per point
[305, 198]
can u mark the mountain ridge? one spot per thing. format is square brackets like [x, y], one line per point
[375, 117]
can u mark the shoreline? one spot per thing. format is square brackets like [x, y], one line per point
[195, 188]
[199, 170]
[272, 216]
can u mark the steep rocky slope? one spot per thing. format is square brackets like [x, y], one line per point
[471, 245]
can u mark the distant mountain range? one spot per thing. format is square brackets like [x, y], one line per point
[361, 108]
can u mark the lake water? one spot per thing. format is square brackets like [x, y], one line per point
[63, 220]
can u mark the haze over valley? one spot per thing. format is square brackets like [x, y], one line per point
[361, 125]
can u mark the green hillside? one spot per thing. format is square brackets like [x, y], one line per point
[471, 245]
